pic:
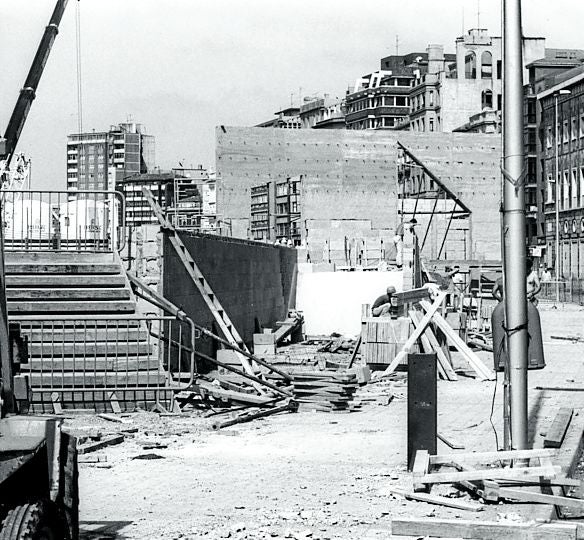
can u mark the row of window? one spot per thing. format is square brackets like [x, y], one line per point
[419, 102]
[571, 189]
[378, 101]
[569, 130]
[377, 123]
[470, 66]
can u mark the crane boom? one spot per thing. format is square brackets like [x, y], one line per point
[28, 91]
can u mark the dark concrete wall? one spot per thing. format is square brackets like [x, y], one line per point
[255, 282]
[351, 179]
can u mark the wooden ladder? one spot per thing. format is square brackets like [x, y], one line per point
[223, 321]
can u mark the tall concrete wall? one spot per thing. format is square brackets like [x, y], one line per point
[255, 282]
[351, 179]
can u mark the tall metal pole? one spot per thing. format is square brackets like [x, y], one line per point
[514, 221]
[557, 204]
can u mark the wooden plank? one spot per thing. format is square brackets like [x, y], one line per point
[70, 280]
[412, 296]
[448, 442]
[420, 468]
[204, 387]
[98, 445]
[557, 432]
[444, 360]
[475, 362]
[537, 497]
[482, 530]
[68, 294]
[414, 335]
[144, 363]
[488, 474]
[450, 502]
[485, 457]
[444, 368]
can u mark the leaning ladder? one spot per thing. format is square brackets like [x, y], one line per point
[223, 321]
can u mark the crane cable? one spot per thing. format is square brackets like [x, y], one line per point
[78, 58]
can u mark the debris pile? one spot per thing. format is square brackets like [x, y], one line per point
[325, 390]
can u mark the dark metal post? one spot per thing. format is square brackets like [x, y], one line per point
[514, 221]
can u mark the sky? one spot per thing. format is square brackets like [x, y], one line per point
[182, 67]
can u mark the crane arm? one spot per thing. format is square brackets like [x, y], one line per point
[27, 93]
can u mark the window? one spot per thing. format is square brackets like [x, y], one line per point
[565, 190]
[574, 186]
[470, 66]
[582, 186]
[550, 189]
[401, 101]
[431, 98]
[566, 135]
[487, 99]
[548, 137]
[582, 126]
[574, 129]
[486, 65]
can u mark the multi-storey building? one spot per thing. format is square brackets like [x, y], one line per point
[558, 107]
[97, 160]
[379, 100]
[288, 118]
[275, 211]
[187, 197]
[322, 113]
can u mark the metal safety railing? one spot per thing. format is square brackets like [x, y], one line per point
[63, 220]
[105, 353]
[570, 290]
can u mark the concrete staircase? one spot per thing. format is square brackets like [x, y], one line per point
[88, 347]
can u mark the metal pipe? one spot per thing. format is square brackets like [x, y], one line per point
[291, 406]
[243, 374]
[514, 264]
[557, 205]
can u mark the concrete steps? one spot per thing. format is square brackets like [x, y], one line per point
[87, 346]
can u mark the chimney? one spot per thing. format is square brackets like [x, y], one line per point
[435, 58]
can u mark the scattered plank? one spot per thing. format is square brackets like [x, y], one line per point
[437, 499]
[483, 457]
[537, 497]
[98, 445]
[449, 442]
[555, 435]
[482, 530]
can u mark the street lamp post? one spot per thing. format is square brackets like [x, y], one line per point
[557, 191]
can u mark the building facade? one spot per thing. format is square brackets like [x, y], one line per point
[275, 210]
[324, 112]
[97, 160]
[561, 110]
[288, 118]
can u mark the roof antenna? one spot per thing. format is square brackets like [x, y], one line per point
[478, 13]
[397, 45]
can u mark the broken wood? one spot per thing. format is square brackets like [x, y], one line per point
[482, 530]
[98, 445]
[557, 432]
[291, 406]
[420, 468]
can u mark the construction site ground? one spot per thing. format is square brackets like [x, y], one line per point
[311, 474]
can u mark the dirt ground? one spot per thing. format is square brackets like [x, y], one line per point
[303, 475]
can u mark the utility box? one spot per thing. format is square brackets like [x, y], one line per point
[422, 406]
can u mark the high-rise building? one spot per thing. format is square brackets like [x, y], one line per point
[97, 160]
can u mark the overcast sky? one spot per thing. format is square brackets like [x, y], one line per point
[181, 67]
